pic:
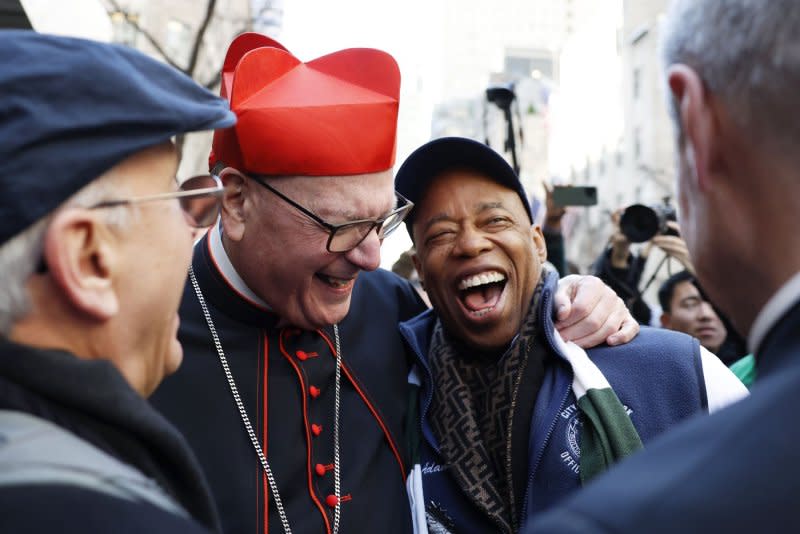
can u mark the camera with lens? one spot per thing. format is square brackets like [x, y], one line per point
[641, 223]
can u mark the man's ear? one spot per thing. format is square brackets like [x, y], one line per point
[697, 114]
[538, 242]
[233, 199]
[666, 320]
[81, 257]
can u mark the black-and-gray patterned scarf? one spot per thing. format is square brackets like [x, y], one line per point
[471, 414]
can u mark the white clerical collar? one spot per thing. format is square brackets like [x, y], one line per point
[773, 310]
[226, 268]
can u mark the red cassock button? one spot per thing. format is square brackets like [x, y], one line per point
[320, 469]
[316, 429]
[332, 500]
[314, 391]
[301, 355]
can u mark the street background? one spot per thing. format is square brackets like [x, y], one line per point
[589, 106]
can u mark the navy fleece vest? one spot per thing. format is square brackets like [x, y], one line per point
[658, 377]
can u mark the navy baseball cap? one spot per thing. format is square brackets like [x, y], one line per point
[70, 109]
[440, 155]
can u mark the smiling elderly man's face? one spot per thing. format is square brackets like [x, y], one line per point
[478, 256]
[281, 253]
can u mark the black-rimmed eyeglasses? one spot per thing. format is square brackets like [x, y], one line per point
[199, 197]
[347, 236]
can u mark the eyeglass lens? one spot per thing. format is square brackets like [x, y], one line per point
[201, 210]
[349, 236]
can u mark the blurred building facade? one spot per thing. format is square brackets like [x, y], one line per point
[648, 133]
[590, 102]
[168, 31]
[610, 127]
[515, 44]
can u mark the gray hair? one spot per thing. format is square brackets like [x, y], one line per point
[20, 256]
[747, 53]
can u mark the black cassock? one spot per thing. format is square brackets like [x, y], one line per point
[286, 379]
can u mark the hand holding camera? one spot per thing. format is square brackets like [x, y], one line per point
[656, 225]
[640, 223]
[672, 245]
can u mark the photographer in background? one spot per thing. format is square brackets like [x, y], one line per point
[621, 271]
[618, 267]
[679, 294]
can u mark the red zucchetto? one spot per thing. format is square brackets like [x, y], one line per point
[333, 116]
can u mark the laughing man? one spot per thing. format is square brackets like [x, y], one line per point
[512, 417]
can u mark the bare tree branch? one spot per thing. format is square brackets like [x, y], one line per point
[215, 81]
[265, 8]
[201, 32]
[194, 58]
[147, 35]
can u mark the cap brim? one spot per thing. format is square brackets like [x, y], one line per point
[433, 158]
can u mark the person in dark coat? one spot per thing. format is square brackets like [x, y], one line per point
[732, 69]
[94, 247]
[294, 393]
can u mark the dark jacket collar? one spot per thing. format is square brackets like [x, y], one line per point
[91, 399]
[779, 346]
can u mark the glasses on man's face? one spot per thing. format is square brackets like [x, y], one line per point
[347, 236]
[199, 197]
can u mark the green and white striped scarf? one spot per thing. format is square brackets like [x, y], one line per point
[607, 434]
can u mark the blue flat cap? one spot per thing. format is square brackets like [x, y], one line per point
[70, 109]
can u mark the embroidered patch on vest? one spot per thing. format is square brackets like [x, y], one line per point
[571, 455]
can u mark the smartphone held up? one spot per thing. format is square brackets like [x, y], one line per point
[574, 195]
